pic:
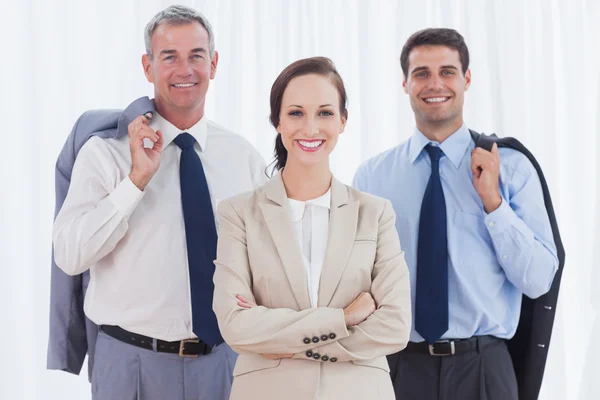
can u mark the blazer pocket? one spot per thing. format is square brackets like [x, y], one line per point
[365, 239]
[247, 363]
[379, 362]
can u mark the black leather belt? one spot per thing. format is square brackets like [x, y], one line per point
[185, 348]
[451, 347]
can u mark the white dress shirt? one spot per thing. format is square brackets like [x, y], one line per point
[310, 220]
[132, 241]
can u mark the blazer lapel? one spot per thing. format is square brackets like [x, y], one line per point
[342, 231]
[277, 216]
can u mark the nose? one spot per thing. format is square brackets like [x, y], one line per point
[184, 68]
[435, 83]
[311, 127]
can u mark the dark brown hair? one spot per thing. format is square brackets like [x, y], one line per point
[432, 37]
[314, 65]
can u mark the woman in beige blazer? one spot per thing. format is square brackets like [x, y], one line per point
[311, 287]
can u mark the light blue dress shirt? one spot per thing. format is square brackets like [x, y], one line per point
[493, 259]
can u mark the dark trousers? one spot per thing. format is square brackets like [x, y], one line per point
[484, 373]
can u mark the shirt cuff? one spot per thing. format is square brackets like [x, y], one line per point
[126, 197]
[500, 219]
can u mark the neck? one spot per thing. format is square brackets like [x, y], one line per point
[439, 132]
[306, 183]
[182, 118]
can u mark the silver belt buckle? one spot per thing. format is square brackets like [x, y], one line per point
[452, 349]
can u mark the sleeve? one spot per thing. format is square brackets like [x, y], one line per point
[522, 236]
[387, 330]
[94, 216]
[259, 329]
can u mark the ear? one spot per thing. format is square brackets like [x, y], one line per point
[404, 84]
[467, 79]
[213, 65]
[344, 120]
[147, 64]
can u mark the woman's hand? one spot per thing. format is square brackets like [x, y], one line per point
[244, 302]
[360, 309]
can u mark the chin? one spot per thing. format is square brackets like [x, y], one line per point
[437, 119]
[186, 104]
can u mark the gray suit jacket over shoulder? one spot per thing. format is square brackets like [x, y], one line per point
[72, 334]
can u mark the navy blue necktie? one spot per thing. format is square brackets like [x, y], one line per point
[201, 239]
[431, 305]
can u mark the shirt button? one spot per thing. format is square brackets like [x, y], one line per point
[332, 336]
[504, 257]
[316, 356]
[315, 339]
[309, 353]
[333, 359]
[324, 358]
[324, 337]
[491, 224]
[306, 340]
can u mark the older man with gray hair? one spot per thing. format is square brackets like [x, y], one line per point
[139, 216]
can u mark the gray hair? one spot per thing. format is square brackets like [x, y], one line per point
[178, 15]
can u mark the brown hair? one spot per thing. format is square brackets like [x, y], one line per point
[432, 37]
[314, 65]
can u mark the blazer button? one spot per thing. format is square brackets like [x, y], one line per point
[324, 358]
[306, 340]
[309, 353]
[315, 339]
[333, 359]
[332, 336]
[324, 338]
[316, 356]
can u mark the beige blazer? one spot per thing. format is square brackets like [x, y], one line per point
[258, 256]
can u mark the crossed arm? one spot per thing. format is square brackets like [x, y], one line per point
[376, 324]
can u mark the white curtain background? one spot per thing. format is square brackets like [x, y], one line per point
[536, 76]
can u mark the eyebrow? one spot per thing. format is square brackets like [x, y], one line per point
[448, 67]
[196, 50]
[322, 105]
[427, 68]
[419, 69]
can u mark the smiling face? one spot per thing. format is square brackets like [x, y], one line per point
[436, 86]
[310, 120]
[180, 67]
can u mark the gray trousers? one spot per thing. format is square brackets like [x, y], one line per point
[484, 373]
[125, 372]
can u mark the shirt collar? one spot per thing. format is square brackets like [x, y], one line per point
[454, 147]
[298, 207]
[170, 131]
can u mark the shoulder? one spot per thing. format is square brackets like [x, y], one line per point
[515, 167]
[242, 204]
[96, 121]
[232, 140]
[383, 160]
[370, 204]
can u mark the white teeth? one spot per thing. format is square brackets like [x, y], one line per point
[436, 99]
[311, 145]
[184, 85]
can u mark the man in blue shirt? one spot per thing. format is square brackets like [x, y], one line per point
[475, 231]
